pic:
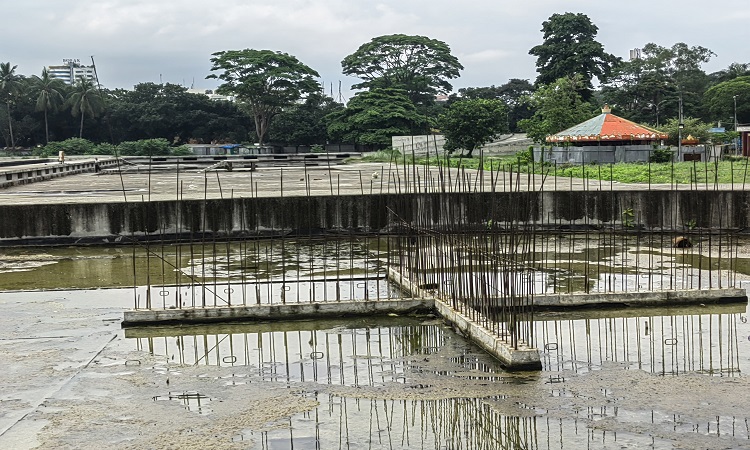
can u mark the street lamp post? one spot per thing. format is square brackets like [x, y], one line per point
[734, 97]
[680, 126]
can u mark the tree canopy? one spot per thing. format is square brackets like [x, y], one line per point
[304, 123]
[469, 124]
[50, 96]
[10, 85]
[557, 107]
[418, 65]
[85, 101]
[649, 88]
[264, 80]
[373, 116]
[570, 48]
[721, 99]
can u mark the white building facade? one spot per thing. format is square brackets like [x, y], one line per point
[71, 70]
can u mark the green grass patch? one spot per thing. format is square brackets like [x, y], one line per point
[736, 171]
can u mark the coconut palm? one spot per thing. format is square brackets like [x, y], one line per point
[50, 96]
[10, 84]
[85, 101]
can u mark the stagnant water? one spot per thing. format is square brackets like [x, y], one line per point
[412, 382]
[563, 265]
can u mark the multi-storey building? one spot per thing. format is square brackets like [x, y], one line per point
[71, 70]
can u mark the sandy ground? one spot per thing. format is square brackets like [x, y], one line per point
[70, 379]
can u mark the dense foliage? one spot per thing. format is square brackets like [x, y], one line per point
[372, 117]
[570, 49]
[418, 65]
[469, 124]
[263, 80]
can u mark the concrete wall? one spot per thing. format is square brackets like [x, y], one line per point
[171, 220]
[508, 144]
[13, 176]
[595, 154]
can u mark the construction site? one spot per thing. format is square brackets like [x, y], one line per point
[326, 302]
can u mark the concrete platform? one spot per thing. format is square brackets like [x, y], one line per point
[288, 311]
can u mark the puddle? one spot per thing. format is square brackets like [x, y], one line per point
[402, 383]
[191, 401]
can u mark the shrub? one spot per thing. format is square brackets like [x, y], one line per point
[661, 155]
[182, 150]
[526, 156]
[72, 146]
[145, 147]
[105, 149]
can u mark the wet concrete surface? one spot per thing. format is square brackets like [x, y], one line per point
[72, 379]
[354, 178]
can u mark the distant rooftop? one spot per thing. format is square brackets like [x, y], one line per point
[607, 127]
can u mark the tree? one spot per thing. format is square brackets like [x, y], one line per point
[10, 84]
[651, 87]
[85, 101]
[691, 127]
[372, 117]
[304, 124]
[570, 48]
[264, 80]
[722, 98]
[557, 106]
[416, 64]
[469, 124]
[733, 71]
[514, 94]
[50, 96]
[169, 111]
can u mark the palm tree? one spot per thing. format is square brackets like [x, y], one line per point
[10, 84]
[50, 95]
[85, 100]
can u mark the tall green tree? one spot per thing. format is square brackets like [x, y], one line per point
[650, 88]
[557, 106]
[50, 96]
[722, 98]
[264, 80]
[10, 85]
[372, 117]
[418, 65]
[469, 124]
[569, 48]
[85, 101]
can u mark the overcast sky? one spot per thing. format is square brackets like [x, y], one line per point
[136, 41]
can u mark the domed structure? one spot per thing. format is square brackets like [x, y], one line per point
[604, 139]
[609, 128]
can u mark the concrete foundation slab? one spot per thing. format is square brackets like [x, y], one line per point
[288, 311]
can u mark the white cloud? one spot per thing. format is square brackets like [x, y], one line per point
[136, 40]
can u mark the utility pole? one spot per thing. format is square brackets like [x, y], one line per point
[680, 126]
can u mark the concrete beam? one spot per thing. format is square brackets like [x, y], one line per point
[520, 357]
[288, 311]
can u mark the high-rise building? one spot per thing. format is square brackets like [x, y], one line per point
[71, 70]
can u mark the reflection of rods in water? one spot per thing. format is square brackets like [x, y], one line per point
[664, 345]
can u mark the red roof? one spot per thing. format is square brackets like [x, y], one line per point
[607, 127]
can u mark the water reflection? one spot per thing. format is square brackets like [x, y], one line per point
[665, 342]
[370, 353]
[421, 356]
